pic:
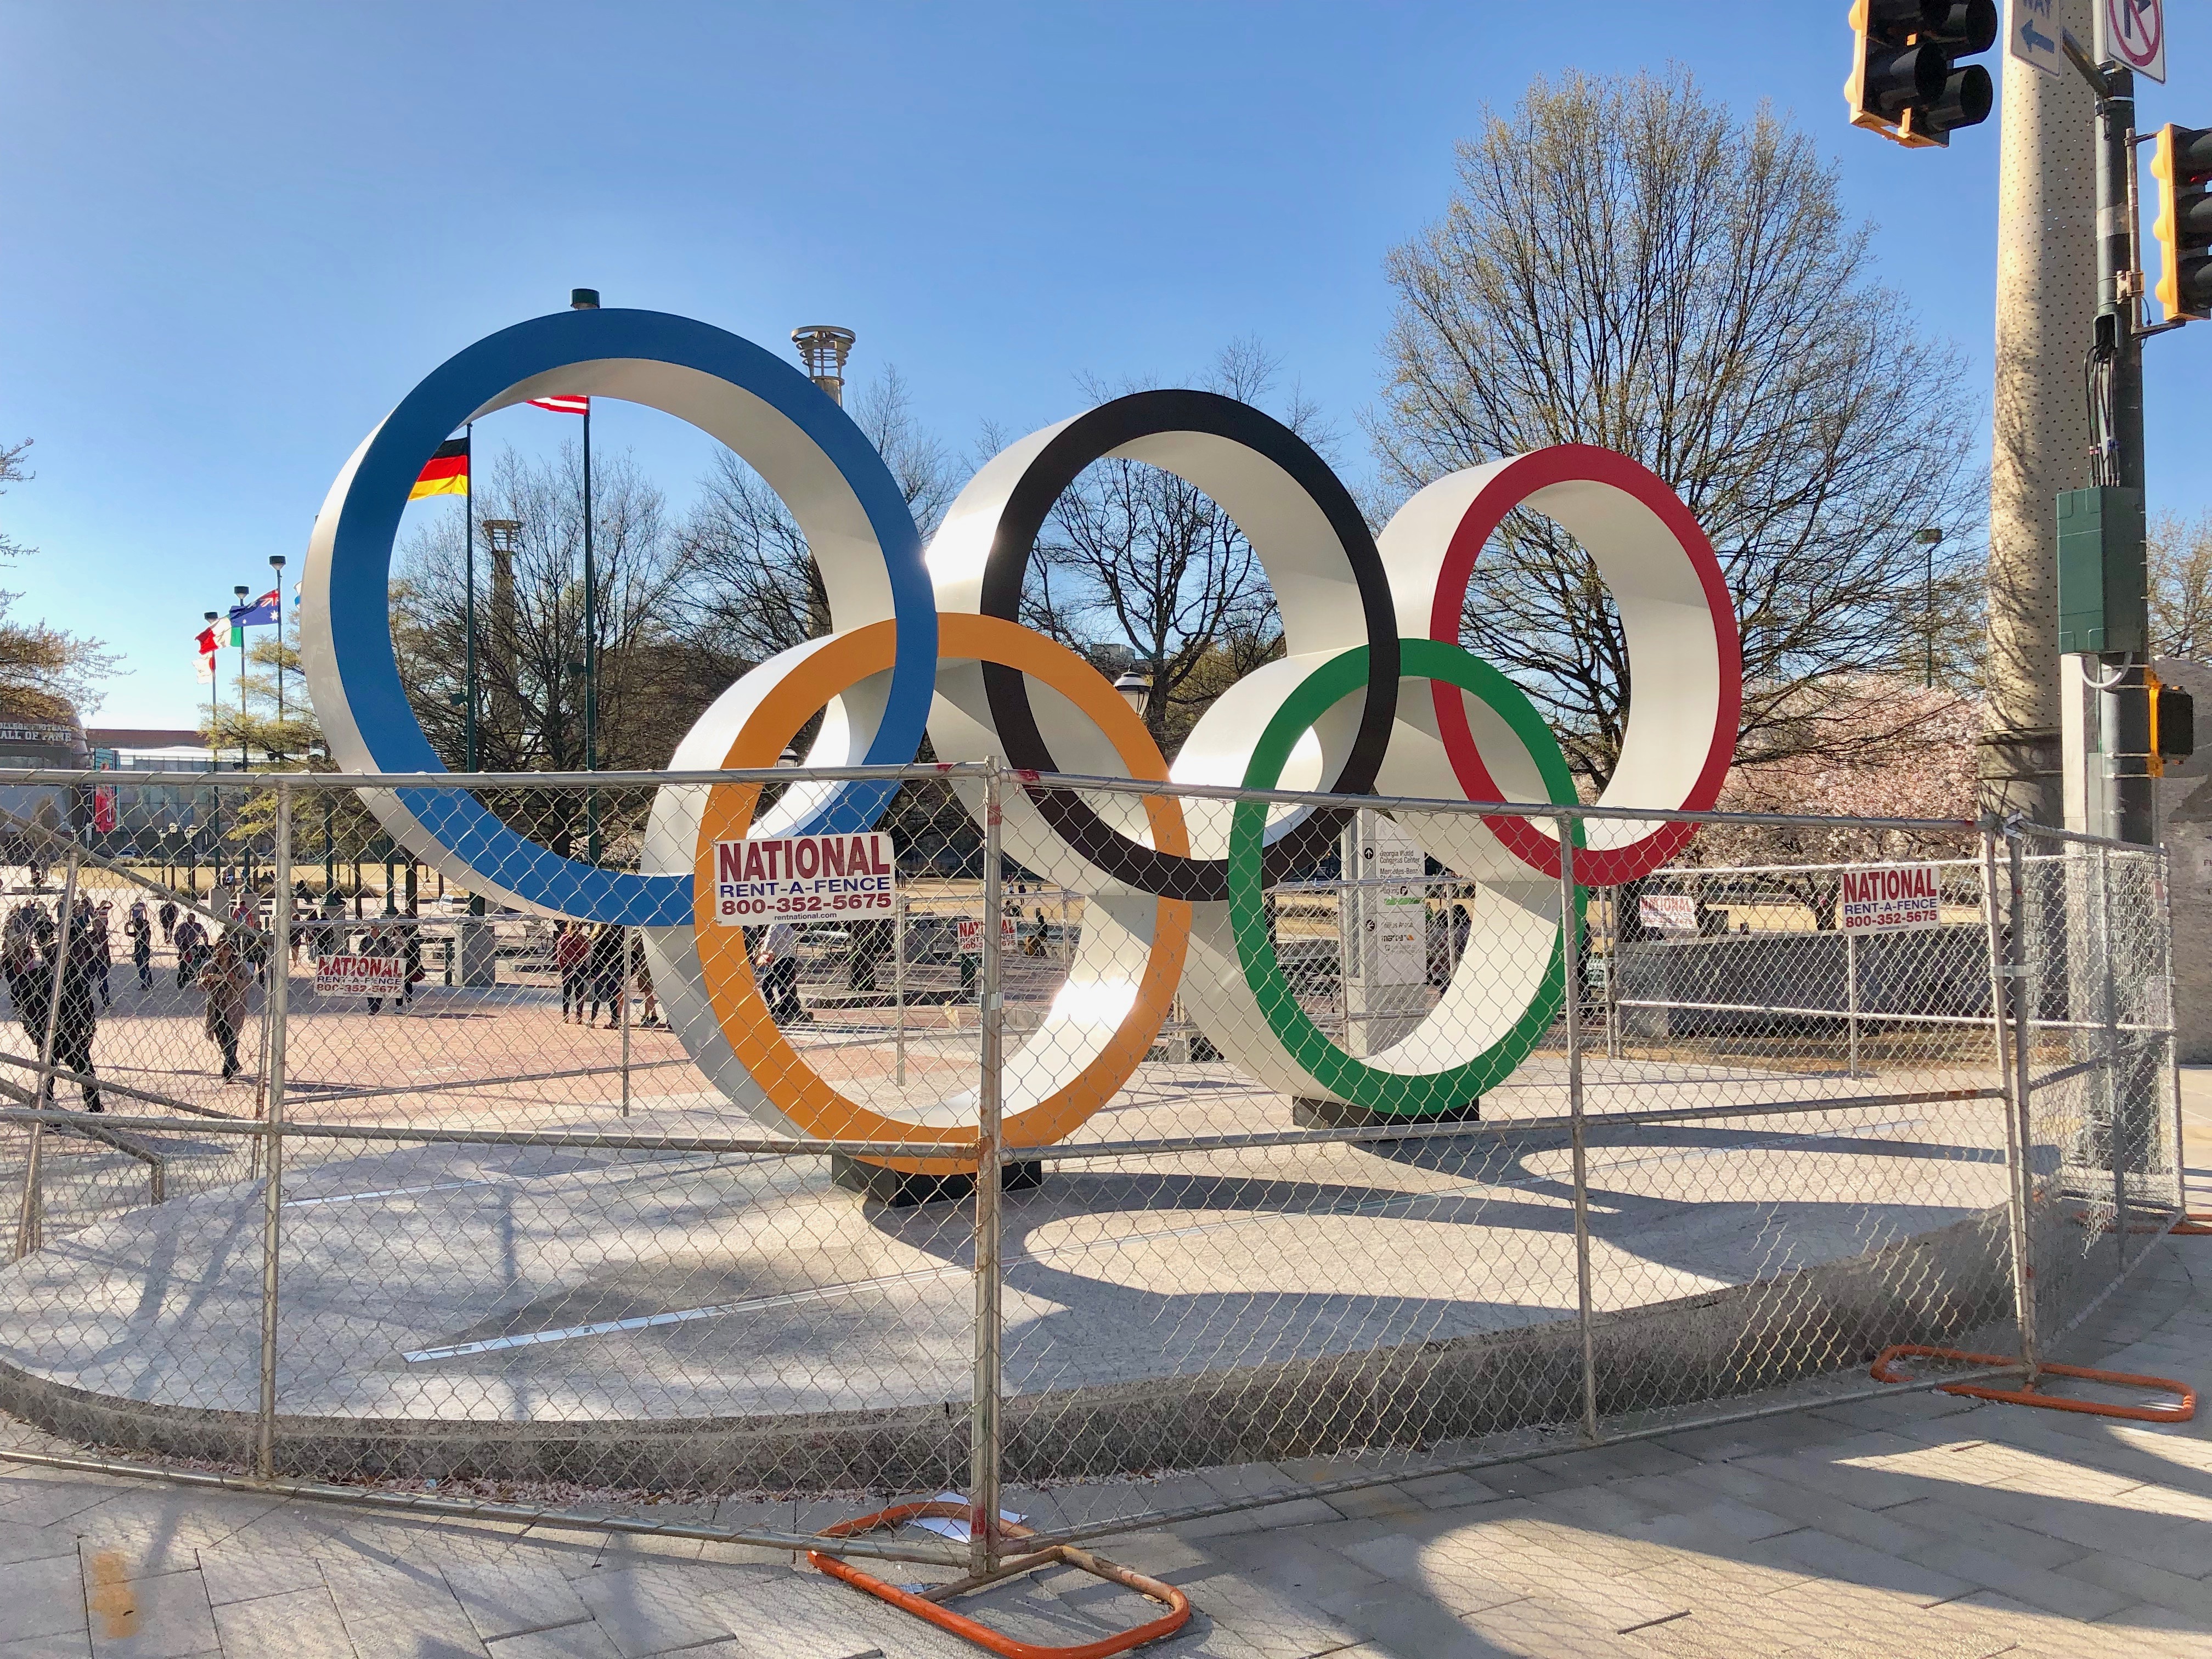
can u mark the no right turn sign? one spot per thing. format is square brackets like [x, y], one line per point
[2133, 32]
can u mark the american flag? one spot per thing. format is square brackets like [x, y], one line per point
[564, 405]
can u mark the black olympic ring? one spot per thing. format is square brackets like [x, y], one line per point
[1122, 425]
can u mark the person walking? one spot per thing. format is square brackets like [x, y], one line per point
[225, 980]
[103, 951]
[570, 948]
[76, 1018]
[778, 961]
[604, 967]
[167, 914]
[191, 935]
[411, 952]
[381, 944]
[140, 932]
[641, 973]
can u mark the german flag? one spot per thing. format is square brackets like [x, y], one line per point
[447, 474]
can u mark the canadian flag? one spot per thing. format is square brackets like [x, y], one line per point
[207, 655]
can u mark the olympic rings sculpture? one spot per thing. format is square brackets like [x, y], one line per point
[1175, 887]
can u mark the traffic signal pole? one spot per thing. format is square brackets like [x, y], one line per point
[2121, 679]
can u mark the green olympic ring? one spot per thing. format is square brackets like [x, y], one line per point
[1398, 1093]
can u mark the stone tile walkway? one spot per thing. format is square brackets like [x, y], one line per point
[1919, 1526]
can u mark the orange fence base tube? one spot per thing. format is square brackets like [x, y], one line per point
[2183, 1409]
[929, 1604]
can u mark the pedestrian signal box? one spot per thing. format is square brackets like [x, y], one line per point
[2101, 570]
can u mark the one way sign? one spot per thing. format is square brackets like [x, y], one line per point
[2031, 34]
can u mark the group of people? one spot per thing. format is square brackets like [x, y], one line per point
[593, 965]
[54, 968]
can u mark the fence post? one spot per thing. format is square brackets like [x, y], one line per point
[1571, 969]
[31, 1221]
[629, 944]
[1852, 999]
[983, 1435]
[1613, 972]
[272, 1193]
[2116, 1088]
[898, 981]
[2020, 1133]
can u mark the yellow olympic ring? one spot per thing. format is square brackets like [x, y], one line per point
[794, 1087]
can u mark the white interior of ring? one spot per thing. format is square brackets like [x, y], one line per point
[1292, 537]
[825, 506]
[1103, 976]
[1514, 913]
[1664, 619]
[1219, 748]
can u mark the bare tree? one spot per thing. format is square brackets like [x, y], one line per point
[751, 586]
[45, 673]
[1836, 775]
[1623, 263]
[1135, 565]
[530, 628]
[2181, 587]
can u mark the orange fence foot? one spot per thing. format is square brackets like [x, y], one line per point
[2183, 1409]
[2197, 1224]
[929, 1607]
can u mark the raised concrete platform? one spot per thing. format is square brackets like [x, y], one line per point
[685, 1321]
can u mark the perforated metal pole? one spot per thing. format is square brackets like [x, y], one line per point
[983, 1444]
[31, 1222]
[1570, 970]
[272, 1193]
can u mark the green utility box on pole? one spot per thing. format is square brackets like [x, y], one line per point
[2101, 576]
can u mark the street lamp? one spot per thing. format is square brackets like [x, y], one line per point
[1929, 538]
[1136, 690]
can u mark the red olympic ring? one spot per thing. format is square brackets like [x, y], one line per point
[1657, 564]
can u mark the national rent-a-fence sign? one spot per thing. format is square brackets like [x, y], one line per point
[1891, 899]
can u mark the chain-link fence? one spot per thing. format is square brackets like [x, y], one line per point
[1070, 1134]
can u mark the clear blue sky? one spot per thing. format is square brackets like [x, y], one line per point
[236, 235]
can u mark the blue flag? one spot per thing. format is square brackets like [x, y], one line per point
[260, 614]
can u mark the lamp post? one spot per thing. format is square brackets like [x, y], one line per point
[1929, 538]
[1135, 690]
[277, 564]
[215, 754]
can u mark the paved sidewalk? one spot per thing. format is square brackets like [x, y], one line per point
[1915, 1528]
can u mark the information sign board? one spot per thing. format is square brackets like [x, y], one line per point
[355, 976]
[803, 878]
[1891, 899]
[971, 934]
[1669, 912]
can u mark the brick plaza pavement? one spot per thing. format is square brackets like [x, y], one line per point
[1916, 1526]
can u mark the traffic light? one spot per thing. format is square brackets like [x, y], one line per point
[2181, 161]
[2172, 724]
[1906, 83]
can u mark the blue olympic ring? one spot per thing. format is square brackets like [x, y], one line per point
[370, 726]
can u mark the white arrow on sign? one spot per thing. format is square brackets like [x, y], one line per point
[2031, 34]
[2133, 32]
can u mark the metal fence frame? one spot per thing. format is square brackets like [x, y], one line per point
[2095, 1049]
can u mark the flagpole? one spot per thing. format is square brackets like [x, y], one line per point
[469, 560]
[244, 761]
[587, 299]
